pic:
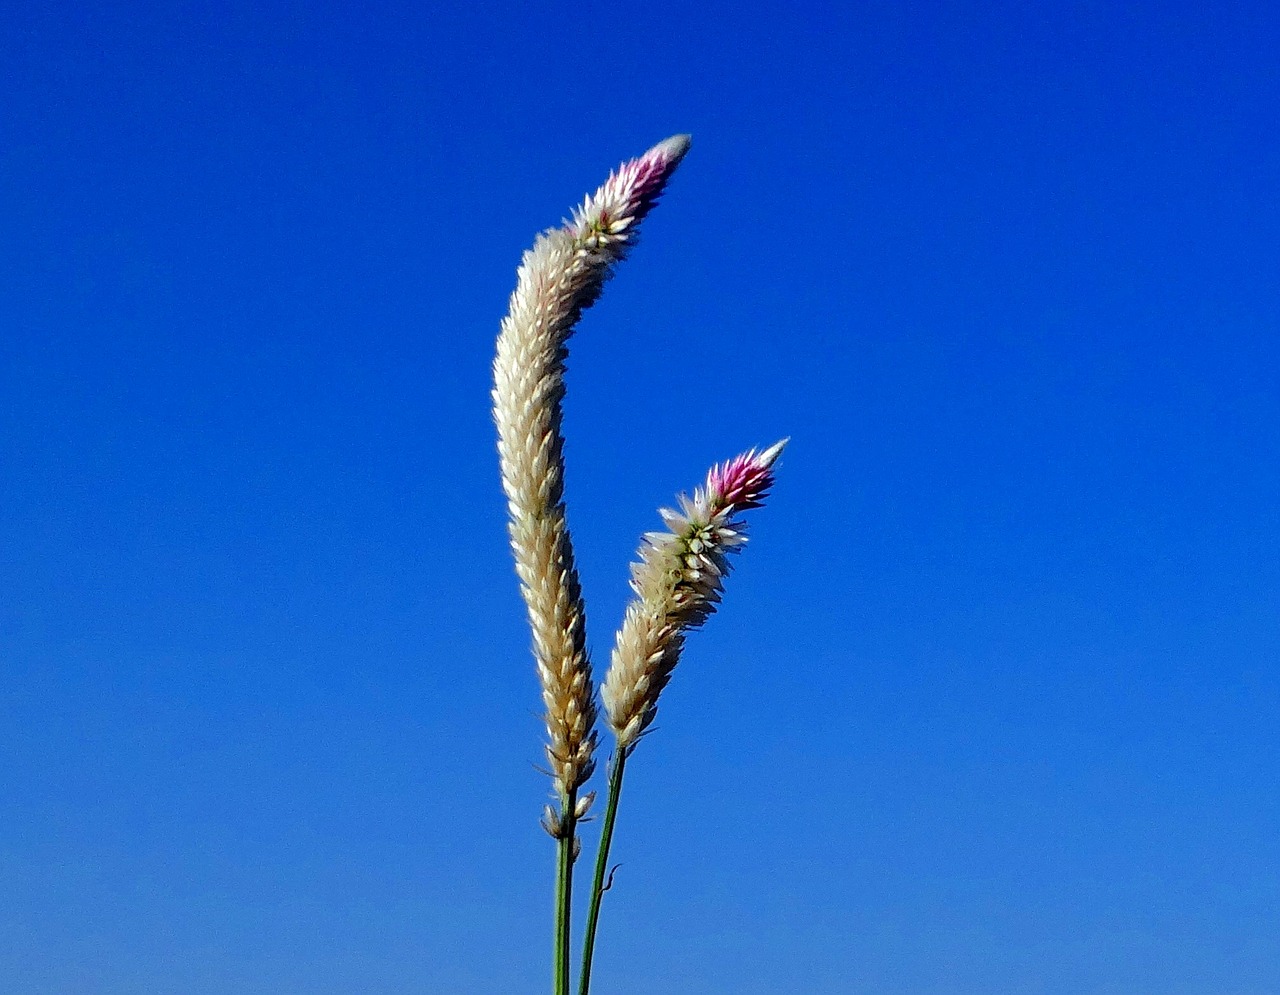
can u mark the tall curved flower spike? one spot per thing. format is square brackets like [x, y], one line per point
[678, 582]
[558, 279]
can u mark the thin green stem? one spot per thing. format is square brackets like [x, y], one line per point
[564, 890]
[598, 886]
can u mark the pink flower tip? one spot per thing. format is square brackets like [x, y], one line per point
[670, 150]
[607, 220]
[744, 481]
[647, 175]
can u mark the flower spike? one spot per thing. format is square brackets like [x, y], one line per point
[559, 278]
[678, 581]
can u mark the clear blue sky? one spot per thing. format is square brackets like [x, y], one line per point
[992, 702]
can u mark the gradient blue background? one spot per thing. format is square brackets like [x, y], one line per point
[992, 702]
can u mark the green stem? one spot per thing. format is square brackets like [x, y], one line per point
[602, 863]
[564, 890]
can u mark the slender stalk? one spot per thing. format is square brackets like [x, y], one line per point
[602, 863]
[564, 890]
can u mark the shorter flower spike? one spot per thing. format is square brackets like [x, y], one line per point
[678, 581]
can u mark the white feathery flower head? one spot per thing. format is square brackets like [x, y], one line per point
[678, 581]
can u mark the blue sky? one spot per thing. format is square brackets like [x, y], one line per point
[991, 704]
